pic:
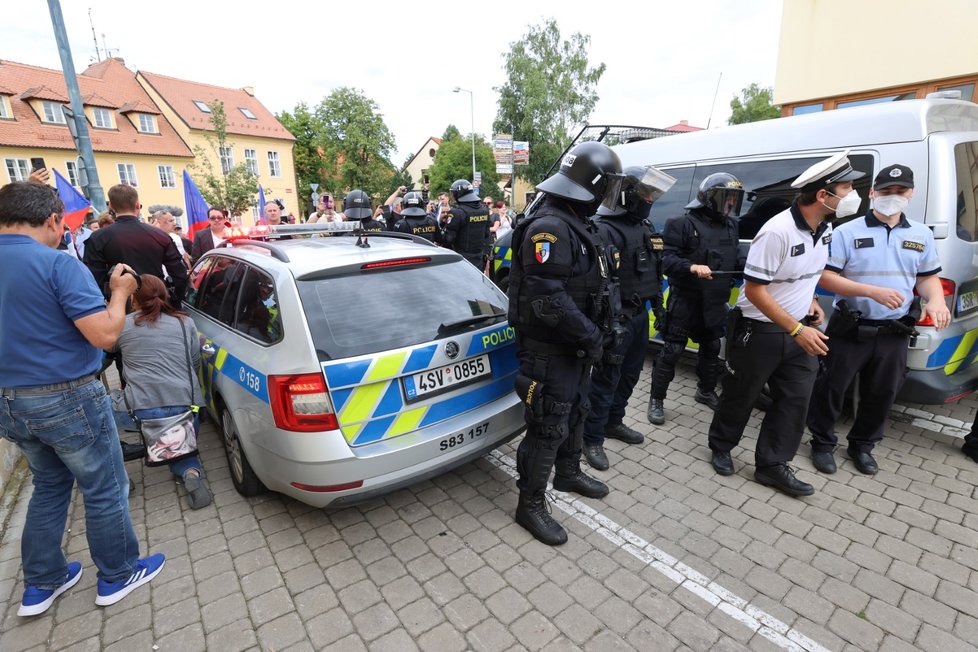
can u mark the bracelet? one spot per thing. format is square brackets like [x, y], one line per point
[797, 330]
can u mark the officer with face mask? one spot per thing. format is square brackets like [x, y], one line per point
[699, 257]
[875, 263]
[624, 225]
[562, 304]
[415, 219]
[770, 333]
[467, 224]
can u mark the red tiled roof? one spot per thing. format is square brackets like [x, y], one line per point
[139, 107]
[180, 94]
[94, 99]
[683, 128]
[113, 85]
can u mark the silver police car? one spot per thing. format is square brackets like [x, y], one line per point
[341, 368]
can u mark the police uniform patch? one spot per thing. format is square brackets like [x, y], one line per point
[617, 259]
[826, 239]
[541, 251]
[916, 246]
[537, 237]
[798, 249]
[863, 243]
[656, 242]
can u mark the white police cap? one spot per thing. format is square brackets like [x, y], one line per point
[834, 169]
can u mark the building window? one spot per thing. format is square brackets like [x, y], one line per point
[167, 178]
[274, 168]
[227, 160]
[251, 158]
[18, 169]
[967, 90]
[807, 108]
[876, 100]
[247, 113]
[53, 112]
[202, 106]
[102, 118]
[255, 214]
[127, 174]
[72, 168]
[147, 123]
[4, 110]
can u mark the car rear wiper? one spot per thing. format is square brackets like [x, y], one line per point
[444, 329]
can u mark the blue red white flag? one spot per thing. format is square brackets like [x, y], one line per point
[76, 206]
[196, 206]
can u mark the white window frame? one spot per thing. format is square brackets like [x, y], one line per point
[168, 178]
[4, 108]
[227, 159]
[254, 213]
[52, 112]
[127, 174]
[18, 169]
[202, 106]
[274, 165]
[150, 120]
[98, 113]
[72, 168]
[251, 158]
[248, 113]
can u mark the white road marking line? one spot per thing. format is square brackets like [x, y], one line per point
[693, 581]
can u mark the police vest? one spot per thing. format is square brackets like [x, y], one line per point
[717, 249]
[638, 266]
[425, 227]
[372, 225]
[473, 235]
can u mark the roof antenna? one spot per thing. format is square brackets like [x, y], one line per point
[98, 55]
[713, 106]
[105, 48]
[361, 234]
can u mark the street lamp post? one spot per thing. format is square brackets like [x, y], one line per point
[472, 115]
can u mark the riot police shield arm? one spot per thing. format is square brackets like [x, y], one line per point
[677, 245]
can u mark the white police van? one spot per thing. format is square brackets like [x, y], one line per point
[937, 138]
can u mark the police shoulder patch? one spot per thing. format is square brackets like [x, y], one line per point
[916, 246]
[826, 239]
[541, 251]
[549, 237]
[798, 249]
[657, 242]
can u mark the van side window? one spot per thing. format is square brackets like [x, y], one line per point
[966, 164]
[768, 185]
[258, 309]
[673, 203]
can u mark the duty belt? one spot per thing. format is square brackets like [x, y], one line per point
[39, 390]
[550, 348]
[758, 326]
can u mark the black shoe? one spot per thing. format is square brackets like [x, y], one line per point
[580, 483]
[722, 463]
[657, 415]
[596, 457]
[533, 514]
[132, 452]
[782, 477]
[863, 462]
[970, 451]
[824, 461]
[709, 399]
[621, 432]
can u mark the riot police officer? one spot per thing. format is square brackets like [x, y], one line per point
[357, 206]
[624, 225]
[415, 219]
[697, 245]
[467, 224]
[561, 304]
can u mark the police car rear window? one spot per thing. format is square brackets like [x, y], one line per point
[382, 310]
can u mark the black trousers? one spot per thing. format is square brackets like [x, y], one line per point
[773, 358]
[881, 363]
[612, 385]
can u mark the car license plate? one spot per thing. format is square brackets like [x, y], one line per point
[444, 379]
[462, 438]
[967, 301]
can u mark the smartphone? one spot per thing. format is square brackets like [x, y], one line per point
[37, 164]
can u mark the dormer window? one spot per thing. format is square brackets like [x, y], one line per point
[147, 123]
[4, 108]
[102, 118]
[53, 112]
[247, 113]
[202, 106]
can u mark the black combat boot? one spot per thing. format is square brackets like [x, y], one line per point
[657, 414]
[568, 476]
[533, 463]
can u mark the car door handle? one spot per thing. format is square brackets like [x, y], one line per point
[208, 349]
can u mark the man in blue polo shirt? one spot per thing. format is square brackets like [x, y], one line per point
[53, 321]
[875, 262]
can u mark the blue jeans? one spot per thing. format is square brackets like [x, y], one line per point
[68, 436]
[125, 422]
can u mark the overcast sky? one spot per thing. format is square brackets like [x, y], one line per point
[663, 58]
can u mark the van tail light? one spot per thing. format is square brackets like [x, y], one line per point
[301, 403]
[948, 286]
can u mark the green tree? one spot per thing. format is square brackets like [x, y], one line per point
[234, 188]
[451, 133]
[310, 166]
[550, 89]
[753, 104]
[453, 161]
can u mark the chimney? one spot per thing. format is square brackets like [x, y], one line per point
[120, 60]
[684, 123]
[250, 90]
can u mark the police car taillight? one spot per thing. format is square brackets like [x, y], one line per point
[301, 403]
[397, 263]
[948, 287]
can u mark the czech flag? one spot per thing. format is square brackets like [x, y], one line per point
[261, 205]
[195, 205]
[76, 206]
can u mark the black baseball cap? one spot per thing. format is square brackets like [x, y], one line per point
[894, 175]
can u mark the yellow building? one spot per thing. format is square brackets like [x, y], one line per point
[838, 53]
[255, 136]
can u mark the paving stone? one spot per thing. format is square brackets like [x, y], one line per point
[188, 639]
[420, 616]
[490, 636]
[281, 632]
[892, 620]
[269, 606]
[444, 637]
[118, 626]
[928, 610]
[329, 627]
[397, 641]
[139, 641]
[534, 631]
[856, 630]
[931, 638]
[549, 599]
[176, 616]
[223, 612]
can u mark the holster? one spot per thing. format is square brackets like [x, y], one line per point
[534, 397]
[734, 335]
[844, 322]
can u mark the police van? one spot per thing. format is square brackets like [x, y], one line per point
[936, 138]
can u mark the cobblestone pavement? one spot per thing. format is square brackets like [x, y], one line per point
[675, 558]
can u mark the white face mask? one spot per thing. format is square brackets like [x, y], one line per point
[890, 204]
[848, 205]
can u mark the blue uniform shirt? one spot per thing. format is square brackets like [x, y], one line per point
[42, 293]
[867, 251]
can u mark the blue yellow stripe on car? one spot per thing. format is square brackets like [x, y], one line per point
[371, 405]
[955, 353]
[690, 344]
[223, 363]
[501, 257]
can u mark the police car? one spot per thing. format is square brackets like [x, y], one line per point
[341, 368]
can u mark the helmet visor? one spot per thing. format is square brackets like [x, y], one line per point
[652, 185]
[727, 201]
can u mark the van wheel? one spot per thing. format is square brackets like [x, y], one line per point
[242, 475]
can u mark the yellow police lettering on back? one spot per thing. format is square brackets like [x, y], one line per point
[496, 338]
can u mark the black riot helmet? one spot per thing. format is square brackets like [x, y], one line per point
[634, 190]
[583, 175]
[721, 194]
[463, 191]
[412, 205]
[357, 205]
